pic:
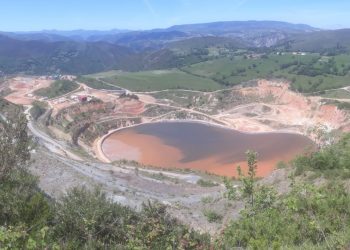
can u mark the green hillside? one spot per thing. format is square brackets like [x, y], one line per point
[328, 41]
[308, 73]
[57, 88]
[206, 42]
[40, 57]
[157, 80]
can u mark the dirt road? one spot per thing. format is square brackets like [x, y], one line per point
[50, 143]
[131, 187]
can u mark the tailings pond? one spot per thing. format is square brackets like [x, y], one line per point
[202, 147]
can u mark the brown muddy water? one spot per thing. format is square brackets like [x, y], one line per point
[202, 147]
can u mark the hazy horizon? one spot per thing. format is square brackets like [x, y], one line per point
[64, 15]
[156, 28]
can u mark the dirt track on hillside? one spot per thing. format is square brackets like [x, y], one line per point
[289, 111]
[23, 87]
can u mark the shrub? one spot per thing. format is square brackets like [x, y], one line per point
[307, 215]
[331, 157]
[37, 110]
[14, 145]
[212, 216]
[207, 199]
[83, 216]
[57, 88]
[206, 183]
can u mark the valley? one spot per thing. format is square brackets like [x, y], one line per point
[210, 127]
[99, 104]
[85, 115]
[73, 127]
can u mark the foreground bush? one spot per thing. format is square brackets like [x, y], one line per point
[90, 218]
[331, 161]
[86, 219]
[307, 217]
[83, 219]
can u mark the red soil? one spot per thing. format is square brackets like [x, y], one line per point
[130, 106]
[23, 87]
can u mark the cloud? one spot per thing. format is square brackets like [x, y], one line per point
[240, 3]
[237, 3]
[150, 7]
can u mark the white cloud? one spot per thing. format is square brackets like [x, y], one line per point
[240, 3]
[150, 7]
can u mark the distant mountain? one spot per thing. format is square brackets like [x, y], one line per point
[36, 36]
[40, 57]
[141, 40]
[57, 35]
[321, 41]
[253, 33]
[81, 51]
[84, 34]
[206, 42]
[70, 57]
[138, 40]
[232, 28]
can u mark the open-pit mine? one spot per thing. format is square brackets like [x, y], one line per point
[171, 146]
[115, 125]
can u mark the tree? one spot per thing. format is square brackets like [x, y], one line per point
[322, 135]
[249, 181]
[14, 145]
[231, 190]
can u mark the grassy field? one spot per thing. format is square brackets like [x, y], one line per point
[157, 80]
[95, 83]
[57, 88]
[238, 69]
[338, 94]
[308, 73]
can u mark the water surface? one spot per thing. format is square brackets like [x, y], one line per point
[200, 146]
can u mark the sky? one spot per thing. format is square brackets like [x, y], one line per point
[33, 15]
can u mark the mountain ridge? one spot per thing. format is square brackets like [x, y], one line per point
[156, 49]
[233, 29]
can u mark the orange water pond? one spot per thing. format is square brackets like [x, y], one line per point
[202, 147]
